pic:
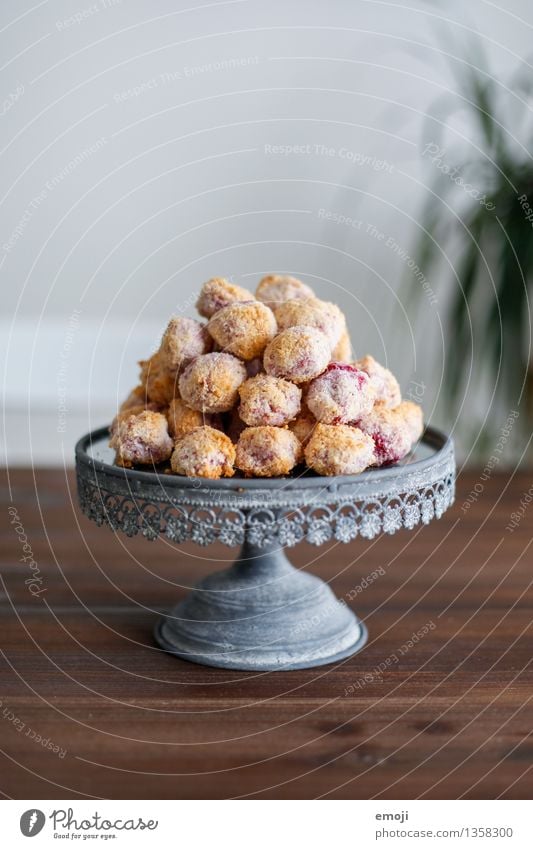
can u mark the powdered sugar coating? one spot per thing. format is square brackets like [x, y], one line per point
[298, 354]
[303, 425]
[276, 288]
[390, 432]
[312, 312]
[218, 293]
[141, 439]
[387, 387]
[182, 419]
[183, 339]
[339, 450]
[160, 384]
[267, 452]
[122, 415]
[136, 402]
[342, 352]
[340, 395]
[205, 453]
[267, 400]
[413, 417]
[136, 398]
[211, 382]
[243, 329]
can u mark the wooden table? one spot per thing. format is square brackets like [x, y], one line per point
[448, 716]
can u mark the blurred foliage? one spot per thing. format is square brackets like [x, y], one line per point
[489, 234]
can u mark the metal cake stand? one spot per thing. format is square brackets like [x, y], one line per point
[262, 613]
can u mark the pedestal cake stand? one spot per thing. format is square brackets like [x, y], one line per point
[262, 613]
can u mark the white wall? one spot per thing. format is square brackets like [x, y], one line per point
[138, 144]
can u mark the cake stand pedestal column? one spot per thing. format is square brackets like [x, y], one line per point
[261, 614]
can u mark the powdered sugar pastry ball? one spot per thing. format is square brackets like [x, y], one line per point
[210, 383]
[141, 440]
[204, 452]
[243, 329]
[340, 395]
[218, 293]
[298, 354]
[386, 385]
[267, 400]
[390, 431]
[339, 450]
[267, 452]
[183, 339]
[276, 288]
[312, 312]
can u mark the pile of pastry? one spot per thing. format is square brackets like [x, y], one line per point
[267, 383]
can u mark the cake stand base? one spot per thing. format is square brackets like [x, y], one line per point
[261, 614]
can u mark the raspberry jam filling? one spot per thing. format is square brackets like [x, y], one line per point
[342, 367]
[361, 376]
[384, 450]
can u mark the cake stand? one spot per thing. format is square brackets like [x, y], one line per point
[262, 613]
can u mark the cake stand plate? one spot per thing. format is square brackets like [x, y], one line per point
[261, 613]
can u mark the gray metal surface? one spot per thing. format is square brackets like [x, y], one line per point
[288, 510]
[262, 614]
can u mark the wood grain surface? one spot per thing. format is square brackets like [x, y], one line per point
[446, 715]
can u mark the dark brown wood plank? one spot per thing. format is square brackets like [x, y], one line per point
[450, 717]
